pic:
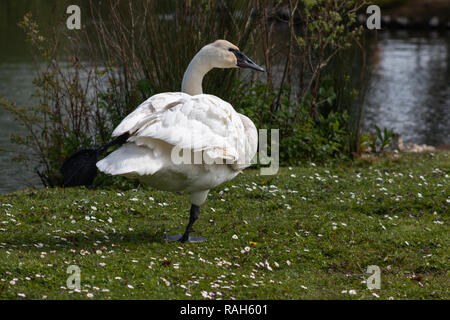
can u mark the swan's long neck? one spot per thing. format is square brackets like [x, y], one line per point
[193, 77]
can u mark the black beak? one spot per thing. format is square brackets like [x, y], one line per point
[245, 62]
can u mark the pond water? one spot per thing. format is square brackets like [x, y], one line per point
[408, 88]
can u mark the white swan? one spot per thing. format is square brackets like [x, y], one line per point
[214, 141]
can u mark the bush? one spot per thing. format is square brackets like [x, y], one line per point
[303, 138]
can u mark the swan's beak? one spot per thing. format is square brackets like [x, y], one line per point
[245, 62]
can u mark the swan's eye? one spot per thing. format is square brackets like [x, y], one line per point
[239, 55]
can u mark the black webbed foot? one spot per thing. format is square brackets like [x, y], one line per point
[194, 213]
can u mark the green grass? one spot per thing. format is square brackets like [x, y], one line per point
[318, 229]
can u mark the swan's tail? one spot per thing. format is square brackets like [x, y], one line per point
[80, 169]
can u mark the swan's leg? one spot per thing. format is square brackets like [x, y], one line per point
[197, 199]
[195, 211]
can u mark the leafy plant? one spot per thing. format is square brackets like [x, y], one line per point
[380, 141]
[308, 138]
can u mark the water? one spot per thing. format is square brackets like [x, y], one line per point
[408, 86]
[15, 85]
[16, 75]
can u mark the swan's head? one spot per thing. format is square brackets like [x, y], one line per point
[224, 54]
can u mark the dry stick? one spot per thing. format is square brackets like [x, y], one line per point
[106, 39]
[133, 45]
[267, 48]
[303, 50]
[291, 45]
[280, 91]
[92, 77]
[41, 151]
[156, 65]
[123, 41]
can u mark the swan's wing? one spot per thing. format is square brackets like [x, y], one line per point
[200, 123]
[197, 123]
[154, 104]
[251, 143]
[131, 159]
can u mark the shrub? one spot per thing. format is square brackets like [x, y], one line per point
[307, 138]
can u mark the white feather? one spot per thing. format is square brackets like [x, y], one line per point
[203, 126]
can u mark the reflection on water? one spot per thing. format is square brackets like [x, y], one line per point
[409, 86]
[15, 85]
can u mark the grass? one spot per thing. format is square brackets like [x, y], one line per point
[307, 233]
